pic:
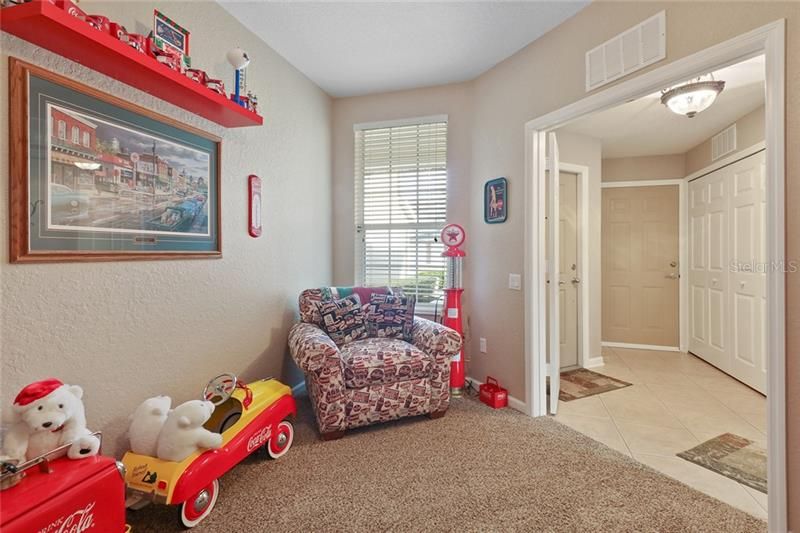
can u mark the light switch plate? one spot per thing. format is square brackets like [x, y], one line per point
[515, 282]
[483, 345]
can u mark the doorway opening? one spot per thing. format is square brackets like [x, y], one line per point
[715, 204]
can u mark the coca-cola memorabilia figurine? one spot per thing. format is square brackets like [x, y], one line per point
[252, 102]
[169, 58]
[195, 74]
[169, 35]
[250, 417]
[216, 85]
[118, 31]
[140, 43]
[99, 22]
[71, 9]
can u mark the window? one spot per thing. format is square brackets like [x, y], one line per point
[86, 139]
[401, 206]
[76, 135]
[62, 130]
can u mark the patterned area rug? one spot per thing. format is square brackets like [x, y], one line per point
[580, 383]
[732, 456]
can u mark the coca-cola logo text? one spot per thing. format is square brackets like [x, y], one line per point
[79, 521]
[259, 438]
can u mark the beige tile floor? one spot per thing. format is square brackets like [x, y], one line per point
[676, 402]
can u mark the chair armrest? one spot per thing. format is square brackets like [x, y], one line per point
[435, 339]
[312, 349]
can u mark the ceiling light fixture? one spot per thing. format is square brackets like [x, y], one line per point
[693, 97]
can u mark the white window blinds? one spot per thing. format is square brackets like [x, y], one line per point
[401, 206]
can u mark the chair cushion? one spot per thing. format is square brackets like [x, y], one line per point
[310, 297]
[390, 316]
[382, 361]
[343, 320]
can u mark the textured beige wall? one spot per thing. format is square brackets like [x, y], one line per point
[749, 131]
[651, 167]
[129, 330]
[547, 75]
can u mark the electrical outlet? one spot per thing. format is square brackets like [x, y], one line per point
[515, 282]
[483, 345]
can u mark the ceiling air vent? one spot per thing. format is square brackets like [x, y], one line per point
[631, 50]
[723, 143]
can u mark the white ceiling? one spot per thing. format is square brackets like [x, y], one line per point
[646, 127]
[356, 48]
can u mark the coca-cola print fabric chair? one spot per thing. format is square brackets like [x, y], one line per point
[371, 380]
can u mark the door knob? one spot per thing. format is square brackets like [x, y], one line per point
[671, 275]
[561, 282]
[576, 280]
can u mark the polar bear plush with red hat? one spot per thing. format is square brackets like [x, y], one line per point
[49, 414]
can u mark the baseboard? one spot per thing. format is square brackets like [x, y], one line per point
[593, 362]
[640, 346]
[514, 403]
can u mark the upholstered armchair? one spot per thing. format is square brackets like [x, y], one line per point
[371, 380]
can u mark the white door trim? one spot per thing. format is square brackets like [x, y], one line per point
[768, 40]
[683, 252]
[725, 161]
[585, 357]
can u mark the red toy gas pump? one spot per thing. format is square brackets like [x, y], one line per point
[453, 237]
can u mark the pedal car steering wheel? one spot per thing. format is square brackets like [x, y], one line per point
[220, 389]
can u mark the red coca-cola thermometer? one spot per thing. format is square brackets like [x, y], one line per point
[254, 184]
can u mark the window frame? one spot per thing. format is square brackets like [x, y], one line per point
[427, 308]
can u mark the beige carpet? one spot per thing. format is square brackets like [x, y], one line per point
[476, 469]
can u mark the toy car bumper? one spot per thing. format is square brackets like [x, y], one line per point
[136, 499]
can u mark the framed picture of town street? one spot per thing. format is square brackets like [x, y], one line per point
[95, 178]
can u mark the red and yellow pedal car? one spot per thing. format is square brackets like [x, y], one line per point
[249, 417]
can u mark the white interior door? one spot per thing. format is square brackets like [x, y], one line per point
[568, 269]
[553, 270]
[727, 270]
[708, 268]
[747, 276]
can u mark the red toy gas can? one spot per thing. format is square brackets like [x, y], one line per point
[492, 394]
[74, 496]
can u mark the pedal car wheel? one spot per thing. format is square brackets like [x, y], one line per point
[281, 441]
[199, 506]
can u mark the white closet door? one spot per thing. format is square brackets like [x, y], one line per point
[748, 274]
[708, 268]
[698, 264]
[727, 276]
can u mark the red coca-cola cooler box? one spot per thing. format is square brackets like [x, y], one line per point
[492, 394]
[65, 496]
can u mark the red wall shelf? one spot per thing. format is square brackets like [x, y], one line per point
[46, 25]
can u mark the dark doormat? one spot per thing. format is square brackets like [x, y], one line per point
[732, 456]
[580, 383]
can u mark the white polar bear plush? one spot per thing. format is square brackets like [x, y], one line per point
[146, 424]
[50, 414]
[183, 432]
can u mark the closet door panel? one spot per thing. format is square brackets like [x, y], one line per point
[748, 271]
[718, 311]
[698, 260]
